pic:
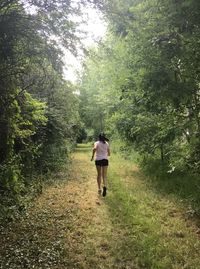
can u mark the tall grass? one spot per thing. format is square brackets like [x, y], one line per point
[182, 185]
[152, 230]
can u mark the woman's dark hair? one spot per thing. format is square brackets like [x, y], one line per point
[103, 138]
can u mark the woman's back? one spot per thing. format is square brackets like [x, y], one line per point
[101, 150]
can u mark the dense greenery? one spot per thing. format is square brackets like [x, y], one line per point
[39, 118]
[140, 85]
[143, 81]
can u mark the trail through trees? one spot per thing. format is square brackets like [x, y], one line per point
[70, 226]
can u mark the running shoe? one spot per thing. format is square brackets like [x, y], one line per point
[104, 191]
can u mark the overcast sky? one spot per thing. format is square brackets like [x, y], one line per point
[96, 29]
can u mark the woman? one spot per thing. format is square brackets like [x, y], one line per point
[102, 151]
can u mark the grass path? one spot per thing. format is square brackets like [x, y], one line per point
[133, 227]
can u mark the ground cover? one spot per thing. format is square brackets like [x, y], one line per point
[70, 226]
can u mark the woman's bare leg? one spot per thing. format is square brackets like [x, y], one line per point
[104, 175]
[98, 176]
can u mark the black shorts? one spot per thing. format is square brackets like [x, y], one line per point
[103, 162]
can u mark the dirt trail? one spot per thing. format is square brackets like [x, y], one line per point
[66, 227]
[71, 227]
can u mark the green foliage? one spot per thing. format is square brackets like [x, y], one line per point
[11, 179]
[145, 79]
[100, 85]
[39, 119]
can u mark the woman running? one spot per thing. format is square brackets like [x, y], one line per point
[101, 151]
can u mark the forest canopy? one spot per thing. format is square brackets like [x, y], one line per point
[39, 119]
[142, 82]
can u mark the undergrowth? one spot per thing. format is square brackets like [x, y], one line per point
[153, 231]
[182, 185]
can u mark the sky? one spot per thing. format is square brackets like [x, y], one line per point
[95, 30]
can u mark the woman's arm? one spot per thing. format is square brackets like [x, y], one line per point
[108, 151]
[93, 152]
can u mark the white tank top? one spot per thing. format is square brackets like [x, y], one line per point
[101, 150]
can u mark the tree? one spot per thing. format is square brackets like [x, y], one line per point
[37, 106]
[159, 85]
